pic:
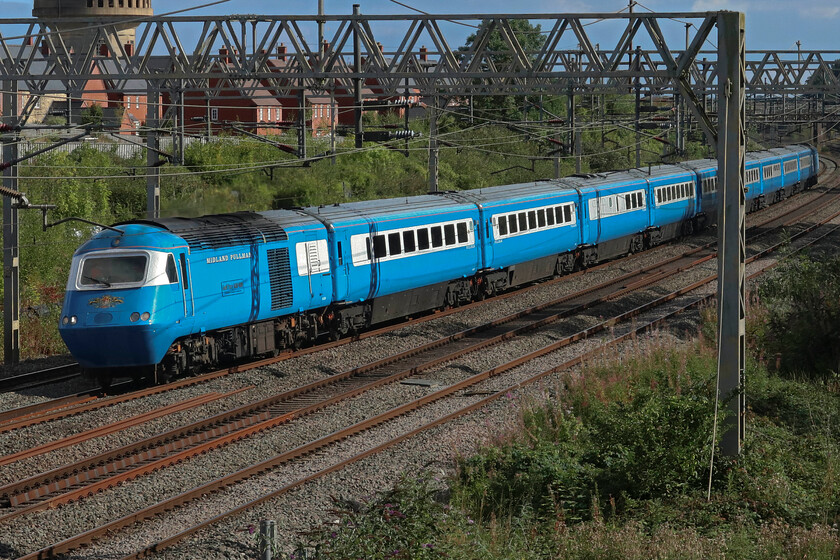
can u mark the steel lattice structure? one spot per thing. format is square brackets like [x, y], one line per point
[187, 49]
[38, 59]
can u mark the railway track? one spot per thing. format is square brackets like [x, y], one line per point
[318, 448]
[30, 415]
[32, 494]
[39, 378]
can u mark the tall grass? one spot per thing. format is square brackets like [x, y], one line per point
[613, 463]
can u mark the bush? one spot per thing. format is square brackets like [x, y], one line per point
[802, 302]
[607, 443]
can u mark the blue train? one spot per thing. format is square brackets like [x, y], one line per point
[171, 296]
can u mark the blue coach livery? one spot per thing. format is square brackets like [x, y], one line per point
[171, 296]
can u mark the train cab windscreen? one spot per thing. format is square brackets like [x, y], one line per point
[106, 271]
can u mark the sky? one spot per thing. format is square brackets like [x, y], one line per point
[771, 24]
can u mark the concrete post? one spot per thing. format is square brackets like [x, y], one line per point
[357, 82]
[433, 146]
[152, 156]
[11, 234]
[731, 229]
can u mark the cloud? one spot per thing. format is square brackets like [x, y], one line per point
[718, 5]
[819, 9]
[824, 12]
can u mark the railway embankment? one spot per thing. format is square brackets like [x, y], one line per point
[614, 459]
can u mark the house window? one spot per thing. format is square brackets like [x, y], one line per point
[214, 113]
[259, 112]
[137, 102]
[90, 3]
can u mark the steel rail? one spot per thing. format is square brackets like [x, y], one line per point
[30, 419]
[253, 418]
[39, 378]
[174, 539]
[352, 430]
[168, 542]
[109, 469]
[120, 425]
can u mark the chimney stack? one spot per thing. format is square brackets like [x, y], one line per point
[129, 49]
[423, 55]
[103, 49]
[281, 52]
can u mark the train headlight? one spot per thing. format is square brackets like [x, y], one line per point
[145, 316]
[73, 320]
[65, 320]
[134, 317]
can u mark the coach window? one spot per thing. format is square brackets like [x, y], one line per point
[449, 232]
[523, 221]
[394, 247]
[558, 213]
[532, 220]
[549, 216]
[541, 217]
[437, 237]
[408, 241]
[423, 239]
[512, 223]
[462, 232]
[502, 225]
[379, 249]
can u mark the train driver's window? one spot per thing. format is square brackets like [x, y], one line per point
[171, 270]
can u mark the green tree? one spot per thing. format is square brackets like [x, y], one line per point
[92, 115]
[501, 54]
